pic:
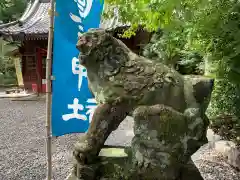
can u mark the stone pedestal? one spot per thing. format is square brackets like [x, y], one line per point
[115, 163]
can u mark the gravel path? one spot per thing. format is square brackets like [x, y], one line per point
[22, 142]
[22, 145]
[213, 166]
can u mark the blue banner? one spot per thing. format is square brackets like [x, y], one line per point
[72, 102]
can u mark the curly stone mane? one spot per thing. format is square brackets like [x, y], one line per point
[102, 52]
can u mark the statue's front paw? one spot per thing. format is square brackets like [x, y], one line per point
[83, 152]
[141, 162]
[141, 165]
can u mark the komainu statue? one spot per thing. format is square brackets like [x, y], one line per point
[168, 110]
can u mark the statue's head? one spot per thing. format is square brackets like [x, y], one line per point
[100, 50]
[92, 40]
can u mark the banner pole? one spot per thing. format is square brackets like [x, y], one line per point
[49, 91]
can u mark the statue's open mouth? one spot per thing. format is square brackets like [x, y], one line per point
[84, 52]
[82, 58]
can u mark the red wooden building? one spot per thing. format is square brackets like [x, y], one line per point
[32, 31]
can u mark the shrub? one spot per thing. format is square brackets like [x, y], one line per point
[224, 111]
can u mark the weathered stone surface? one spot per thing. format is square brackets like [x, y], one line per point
[212, 137]
[164, 141]
[168, 109]
[234, 157]
[223, 147]
[113, 164]
[229, 151]
[116, 164]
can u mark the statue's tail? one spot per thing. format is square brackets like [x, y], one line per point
[203, 87]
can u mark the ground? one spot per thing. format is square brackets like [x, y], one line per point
[22, 142]
[22, 145]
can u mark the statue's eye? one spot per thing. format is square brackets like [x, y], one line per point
[88, 39]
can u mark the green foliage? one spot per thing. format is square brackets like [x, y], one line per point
[224, 110]
[7, 71]
[7, 67]
[190, 25]
[190, 63]
[227, 126]
[161, 50]
[181, 29]
[11, 9]
[6, 47]
[225, 99]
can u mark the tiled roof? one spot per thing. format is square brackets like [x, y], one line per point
[35, 21]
